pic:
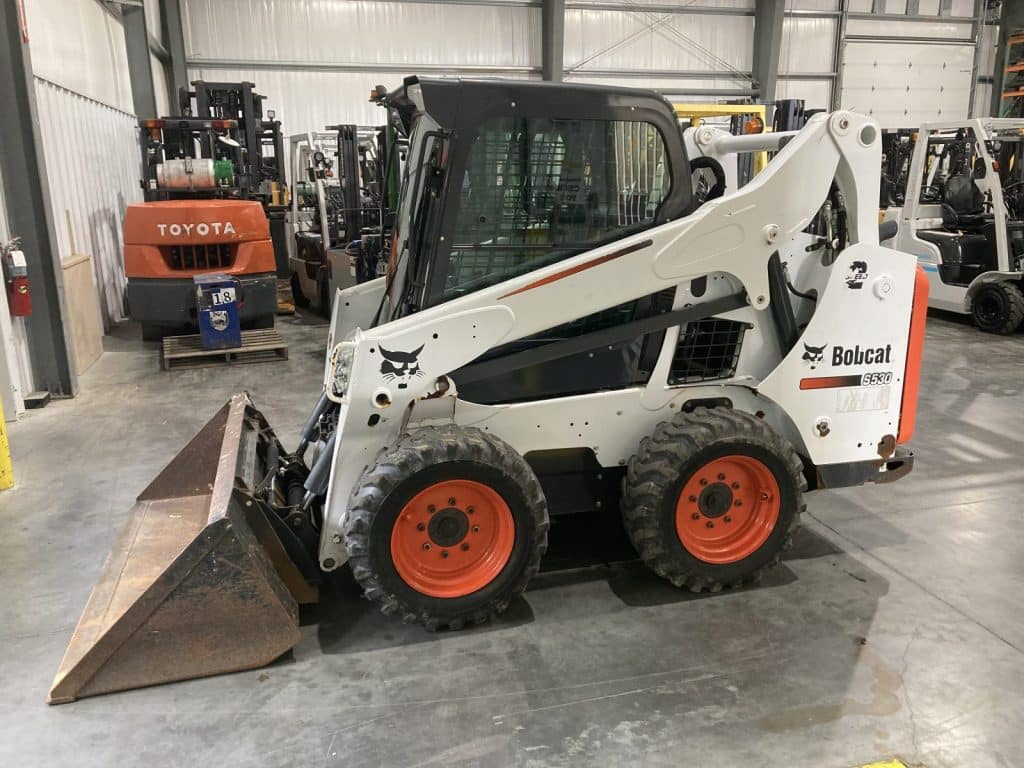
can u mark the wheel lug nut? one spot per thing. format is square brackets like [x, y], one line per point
[738, 503]
[696, 515]
[431, 508]
[735, 486]
[444, 553]
[426, 546]
[721, 476]
[476, 529]
[728, 519]
[469, 510]
[703, 481]
[421, 527]
[710, 524]
[451, 501]
[465, 547]
[764, 496]
[693, 499]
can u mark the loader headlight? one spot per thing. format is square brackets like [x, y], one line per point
[340, 370]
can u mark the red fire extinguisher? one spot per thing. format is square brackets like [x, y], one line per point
[19, 298]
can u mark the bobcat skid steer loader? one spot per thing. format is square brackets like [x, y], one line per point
[561, 325]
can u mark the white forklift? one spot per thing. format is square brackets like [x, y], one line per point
[963, 217]
[563, 330]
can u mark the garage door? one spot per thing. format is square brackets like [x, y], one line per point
[902, 85]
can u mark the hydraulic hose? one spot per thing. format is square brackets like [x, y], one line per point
[316, 482]
[309, 429]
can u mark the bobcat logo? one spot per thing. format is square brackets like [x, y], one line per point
[400, 367]
[813, 355]
[858, 274]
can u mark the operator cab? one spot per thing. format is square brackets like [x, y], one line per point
[506, 177]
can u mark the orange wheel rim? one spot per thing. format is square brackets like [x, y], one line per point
[452, 538]
[727, 509]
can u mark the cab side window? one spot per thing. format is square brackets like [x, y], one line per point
[540, 190]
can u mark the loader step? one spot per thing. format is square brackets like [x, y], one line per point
[259, 346]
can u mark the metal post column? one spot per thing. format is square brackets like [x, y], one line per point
[140, 71]
[27, 194]
[768, 19]
[552, 39]
[174, 37]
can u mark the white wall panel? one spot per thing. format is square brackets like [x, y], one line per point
[80, 46]
[904, 84]
[674, 87]
[817, 94]
[808, 45]
[153, 18]
[987, 49]
[636, 40]
[948, 30]
[160, 87]
[812, 5]
[982, 100]
[92, 165]
[361, 32]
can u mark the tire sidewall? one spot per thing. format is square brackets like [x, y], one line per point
[382, 525]
[788, 509]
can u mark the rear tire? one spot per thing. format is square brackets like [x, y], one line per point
[712, 498]
[323, 296]
[446, 528]
[298, 296]
[998, 308]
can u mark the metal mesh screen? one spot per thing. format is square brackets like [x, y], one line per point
[539, 190]
[202, 256]
[707, 349]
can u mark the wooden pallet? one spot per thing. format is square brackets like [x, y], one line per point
[261, 346]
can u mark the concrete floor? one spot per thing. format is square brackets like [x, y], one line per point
[894, 627]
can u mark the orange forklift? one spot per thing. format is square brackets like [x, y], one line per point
[213, 189]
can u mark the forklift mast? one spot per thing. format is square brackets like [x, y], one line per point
[260, 136]
[349, 173]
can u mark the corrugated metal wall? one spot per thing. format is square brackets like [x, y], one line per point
[92, 163]
[83, 97]
[317, 61]
[623, 45]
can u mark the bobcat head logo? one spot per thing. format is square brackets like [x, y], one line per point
[813, 355]
[858, 274]
[400, 367]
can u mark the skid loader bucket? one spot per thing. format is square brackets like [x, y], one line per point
[198, 582]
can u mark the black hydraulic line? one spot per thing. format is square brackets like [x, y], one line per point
[782, 311]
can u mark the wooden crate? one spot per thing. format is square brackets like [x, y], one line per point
[260, 346]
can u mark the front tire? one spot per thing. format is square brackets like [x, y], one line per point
[300, 299]
[447, 527]
[712, 498]
[998, 307]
